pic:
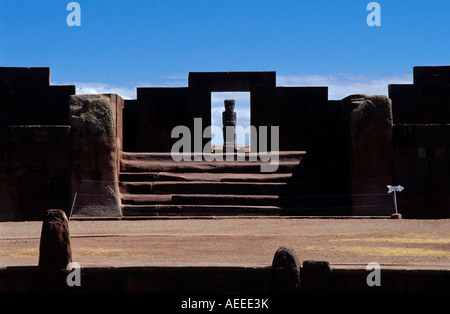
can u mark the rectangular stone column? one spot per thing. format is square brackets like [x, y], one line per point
[368, 123]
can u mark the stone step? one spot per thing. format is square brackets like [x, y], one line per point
[238, 188]
[228, 210]
[232, 199]
[153, 184]
[204, 166]
[198, 210]
[202, 176]
[199, 199]
[162, 157]
[164, 162]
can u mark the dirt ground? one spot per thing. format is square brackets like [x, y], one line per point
[238, 241]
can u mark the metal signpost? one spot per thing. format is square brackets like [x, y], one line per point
[397, 188]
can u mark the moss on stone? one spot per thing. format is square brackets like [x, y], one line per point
[91, 121]
[94, 156]
[372, 112]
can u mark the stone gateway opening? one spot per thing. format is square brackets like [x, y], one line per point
[241, 120]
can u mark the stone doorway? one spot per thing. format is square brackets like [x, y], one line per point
[243, 118]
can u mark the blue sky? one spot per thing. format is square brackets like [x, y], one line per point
[122, 45]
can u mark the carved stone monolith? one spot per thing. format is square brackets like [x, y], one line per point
[229, 126]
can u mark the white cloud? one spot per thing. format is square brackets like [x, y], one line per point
[103, 88]
[342, 85]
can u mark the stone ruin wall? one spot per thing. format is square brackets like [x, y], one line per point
[345, 144]
[38, 148]
[421, 139]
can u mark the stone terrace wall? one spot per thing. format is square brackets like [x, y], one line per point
[421, 113]
[34, 171]
[34, 143]
[37, 146]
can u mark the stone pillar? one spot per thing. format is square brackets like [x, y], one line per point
[54, 252]
[229, 124]
[286, 271]
[54, 247]
[368, 123]
[95, 155]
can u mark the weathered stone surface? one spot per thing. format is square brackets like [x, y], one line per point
[33, 143]
[315, 276]
[34, 171]
[54, 249]
[369, 122]
[286, 271]
[94, 159]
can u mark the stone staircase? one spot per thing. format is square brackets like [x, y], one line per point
[153, 184]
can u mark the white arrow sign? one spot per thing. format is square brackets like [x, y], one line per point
[396, 188]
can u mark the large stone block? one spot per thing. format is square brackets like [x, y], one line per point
[26, 98]
[315, 277]
[432, 75]
[36, 158]
[232, 81]
[158, 111]
[94, 157]
[301, 113]
[403, 100]
[130, 127]
[369, 123]
[15, 78]
[441, 135]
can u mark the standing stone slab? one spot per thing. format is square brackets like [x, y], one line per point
[286, 271]
[369, 128]
[94, 178]
[54, 250]
[54, 253]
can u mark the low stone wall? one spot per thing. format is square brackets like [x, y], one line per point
[213, 280]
